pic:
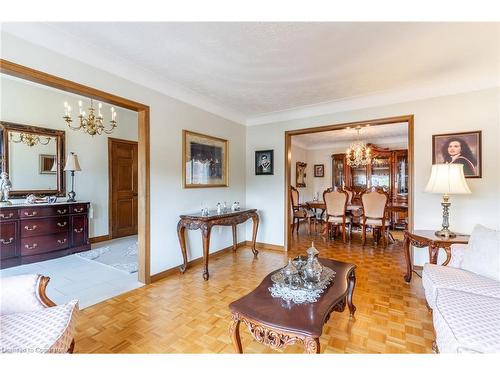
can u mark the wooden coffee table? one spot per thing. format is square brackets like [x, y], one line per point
[277, 324]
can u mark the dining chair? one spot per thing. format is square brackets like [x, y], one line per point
[336, 205]
[299, 210]
[374, 202]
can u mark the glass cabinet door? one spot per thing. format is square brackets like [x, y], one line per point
[381, 172]
[359, 177]
[338, 172]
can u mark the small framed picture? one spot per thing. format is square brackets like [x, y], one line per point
[459, 148]
[264, 162]
[319, 170]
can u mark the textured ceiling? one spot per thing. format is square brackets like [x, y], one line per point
[380, 135]
[259, 68]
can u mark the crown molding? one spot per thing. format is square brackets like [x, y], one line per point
[415, 93]
[68, 45]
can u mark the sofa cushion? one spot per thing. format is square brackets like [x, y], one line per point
[49, 330]
[483, 253]
[434, 277]
[466, 322]
[20, 294]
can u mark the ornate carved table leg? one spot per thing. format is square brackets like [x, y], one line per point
[312, 345]
[235, 237]
[255, 219]
[205, 230]
[448, 255]
[181, 231]
[433, 253]
[350, 292]
[234, 332]
[406, 249]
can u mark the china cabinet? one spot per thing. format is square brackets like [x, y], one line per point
[388, 169]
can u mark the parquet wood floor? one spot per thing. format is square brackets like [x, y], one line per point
[184, 314]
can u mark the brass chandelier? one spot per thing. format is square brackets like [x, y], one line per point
[30, 139]
[358, 154]
[92, 124]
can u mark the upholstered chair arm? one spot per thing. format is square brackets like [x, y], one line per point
[457, 255]
[23, 293]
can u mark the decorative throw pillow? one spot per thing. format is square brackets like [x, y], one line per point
[483, 253]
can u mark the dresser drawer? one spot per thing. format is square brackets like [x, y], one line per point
[8, 215]
[78, 208]
[79, 228]
[34, 212]
[8, 240]
[38, 227]
[43, 244]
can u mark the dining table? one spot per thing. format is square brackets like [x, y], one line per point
[355, 208]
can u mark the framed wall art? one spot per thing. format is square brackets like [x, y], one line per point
[300, 174]
[204, 160]
[264, 162]
[319, 170]
[459, 148]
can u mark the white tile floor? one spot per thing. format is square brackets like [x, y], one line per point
[74, 277]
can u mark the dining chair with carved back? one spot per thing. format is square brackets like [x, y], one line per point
[300, 212]
[336, 201]
[374, 202]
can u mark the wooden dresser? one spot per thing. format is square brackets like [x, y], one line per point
[32, 233]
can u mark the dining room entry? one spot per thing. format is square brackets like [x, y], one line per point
[350, 182]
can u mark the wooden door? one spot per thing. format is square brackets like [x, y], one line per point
[122, 187]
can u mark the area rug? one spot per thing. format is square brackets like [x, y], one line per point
[123, 257]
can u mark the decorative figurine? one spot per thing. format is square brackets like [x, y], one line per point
[5, 186]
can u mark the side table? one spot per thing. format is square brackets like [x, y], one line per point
[427, 238]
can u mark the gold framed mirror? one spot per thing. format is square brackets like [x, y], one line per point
[34, 159]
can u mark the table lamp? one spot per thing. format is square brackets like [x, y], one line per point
[72, 165]
[447, 179]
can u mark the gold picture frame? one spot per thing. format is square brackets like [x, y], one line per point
[204, 160]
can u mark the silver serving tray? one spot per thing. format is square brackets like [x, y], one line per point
[299, 283]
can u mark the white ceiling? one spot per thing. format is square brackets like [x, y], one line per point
[258, 72]
[380, 135]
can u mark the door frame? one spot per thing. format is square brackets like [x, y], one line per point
[143, 173]
[382, 121]
[110, 182]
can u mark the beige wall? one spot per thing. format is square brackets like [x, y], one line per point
[478, 110]
[30, 104]
[168, 117]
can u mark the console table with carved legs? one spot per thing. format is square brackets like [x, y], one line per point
[205, 224]
[427, 238]
[276, 323]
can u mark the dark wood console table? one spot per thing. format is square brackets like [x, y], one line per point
[205, 223]
[427, 238]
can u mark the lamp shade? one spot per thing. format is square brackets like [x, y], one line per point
[447, 179]
[72, 163]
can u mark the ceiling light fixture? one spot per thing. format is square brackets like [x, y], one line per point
[90, 123]
[358, 154]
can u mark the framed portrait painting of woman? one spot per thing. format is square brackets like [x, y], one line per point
[459, 148]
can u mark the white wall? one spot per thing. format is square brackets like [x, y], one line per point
[168, 117]
[477, 110]
[29, 104]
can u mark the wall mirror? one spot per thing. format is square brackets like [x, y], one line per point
[34, 159]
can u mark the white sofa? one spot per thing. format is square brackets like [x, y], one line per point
[30, 322]
[465, 295]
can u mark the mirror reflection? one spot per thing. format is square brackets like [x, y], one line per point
[32, 161]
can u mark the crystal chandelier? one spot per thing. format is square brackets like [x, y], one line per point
[358, 154]
[30, 139]
[90, 123]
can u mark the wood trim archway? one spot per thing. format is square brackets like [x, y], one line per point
[383, 121]
[29, 74]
